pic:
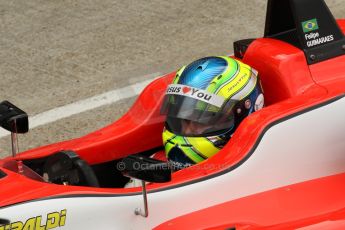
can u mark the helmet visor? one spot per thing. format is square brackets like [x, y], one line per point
[193, 115]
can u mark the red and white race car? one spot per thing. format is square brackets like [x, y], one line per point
[284, 168]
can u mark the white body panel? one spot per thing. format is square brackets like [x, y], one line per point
[302, 148]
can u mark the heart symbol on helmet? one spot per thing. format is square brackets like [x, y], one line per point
[185, 89]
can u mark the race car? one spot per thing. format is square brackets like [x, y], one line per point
[284, 167]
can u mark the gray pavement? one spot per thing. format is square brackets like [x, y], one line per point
[57, 52]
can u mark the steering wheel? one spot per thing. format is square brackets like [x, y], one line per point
[65, 167]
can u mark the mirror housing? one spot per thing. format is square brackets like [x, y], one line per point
[13, 119]
[146, 169]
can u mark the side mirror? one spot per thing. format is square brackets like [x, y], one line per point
[13, 119]
[16, 121]
[146, 169]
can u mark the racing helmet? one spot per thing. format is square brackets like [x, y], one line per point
[205, 103]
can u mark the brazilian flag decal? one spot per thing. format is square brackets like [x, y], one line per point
[310, 25]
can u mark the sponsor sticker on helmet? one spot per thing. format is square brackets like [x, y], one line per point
[198, 94]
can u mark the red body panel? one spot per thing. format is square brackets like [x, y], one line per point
[290, 85]
[284, 208]
[126, 136]
[282, 67]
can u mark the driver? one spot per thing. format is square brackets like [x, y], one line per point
[204, 105]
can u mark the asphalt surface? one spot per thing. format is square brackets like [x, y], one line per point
[57, 52]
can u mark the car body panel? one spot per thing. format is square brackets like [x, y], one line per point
[292, 164]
